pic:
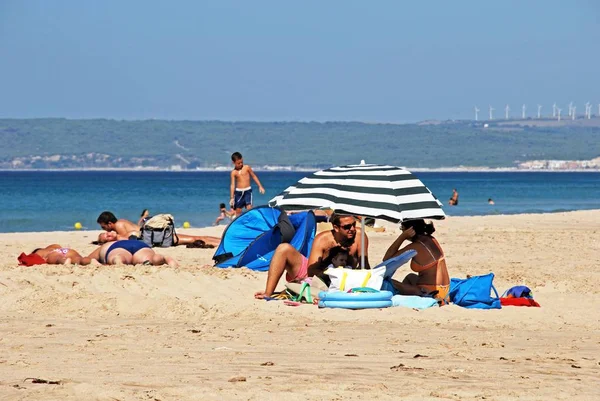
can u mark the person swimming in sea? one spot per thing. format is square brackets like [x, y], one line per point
[454, 199]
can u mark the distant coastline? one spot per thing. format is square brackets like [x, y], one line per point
[105, 145]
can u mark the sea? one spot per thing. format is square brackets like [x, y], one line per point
[33, 201]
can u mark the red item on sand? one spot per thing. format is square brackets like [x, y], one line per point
[31, 259]
[518, 302]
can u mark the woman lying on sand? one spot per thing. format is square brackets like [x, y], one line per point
[429, 262]
[57, 255]
[130, 252]
[195, 241]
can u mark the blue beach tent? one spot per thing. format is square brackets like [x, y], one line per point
[250, 240]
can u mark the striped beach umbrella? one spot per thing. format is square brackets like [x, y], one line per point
[370, 190]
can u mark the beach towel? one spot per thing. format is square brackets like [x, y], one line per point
[413, 301]
[31, 259]
[523, 301]
[519, 295]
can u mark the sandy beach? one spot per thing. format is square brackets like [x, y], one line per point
[196, 332]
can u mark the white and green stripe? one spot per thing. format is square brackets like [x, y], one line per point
[383, 192]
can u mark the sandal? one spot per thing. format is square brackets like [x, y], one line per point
[304, 293]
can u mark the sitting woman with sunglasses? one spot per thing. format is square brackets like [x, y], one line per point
[429, 264]
[298, 267]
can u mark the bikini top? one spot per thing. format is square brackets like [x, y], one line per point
[435, 261]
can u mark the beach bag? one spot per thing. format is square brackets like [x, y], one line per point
[474, 292]
[159, 231]
[285, 227]
[344, 279]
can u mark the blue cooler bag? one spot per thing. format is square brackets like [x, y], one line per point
[474, 292]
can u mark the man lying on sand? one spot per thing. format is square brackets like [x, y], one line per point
[286, 258]
[197, 241]
[122, 229]
[130, 252]
[57, 255]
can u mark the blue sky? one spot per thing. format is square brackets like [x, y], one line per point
[377, 61]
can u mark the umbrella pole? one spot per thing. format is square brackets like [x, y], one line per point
[362, 242]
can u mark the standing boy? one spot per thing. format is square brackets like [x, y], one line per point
[240, 190]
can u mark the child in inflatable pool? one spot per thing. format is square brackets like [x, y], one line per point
[429, 264]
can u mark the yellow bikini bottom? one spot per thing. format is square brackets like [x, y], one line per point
[442, 295]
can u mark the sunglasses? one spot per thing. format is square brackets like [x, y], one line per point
[348, 226]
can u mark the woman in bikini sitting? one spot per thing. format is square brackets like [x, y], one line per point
[57, 255]
[429, 263]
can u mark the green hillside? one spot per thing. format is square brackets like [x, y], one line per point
[153, 143]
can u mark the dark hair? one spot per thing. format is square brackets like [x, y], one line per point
[236, 156]
[337, 250]
[106, 217]
[143, 212]
[420, 227]
[222, 206]
[35, 250]
[336, 217]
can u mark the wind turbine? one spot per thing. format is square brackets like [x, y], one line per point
[573, 113]
[491, 112]
[523, 111]
[506, 110]
[588, 110]
[570, 108]
[476, 115]
[539, 111]
[558, 112]
[554, 109]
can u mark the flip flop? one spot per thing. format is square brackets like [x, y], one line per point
[304, 293]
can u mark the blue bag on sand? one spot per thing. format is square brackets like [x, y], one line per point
[474, 292]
